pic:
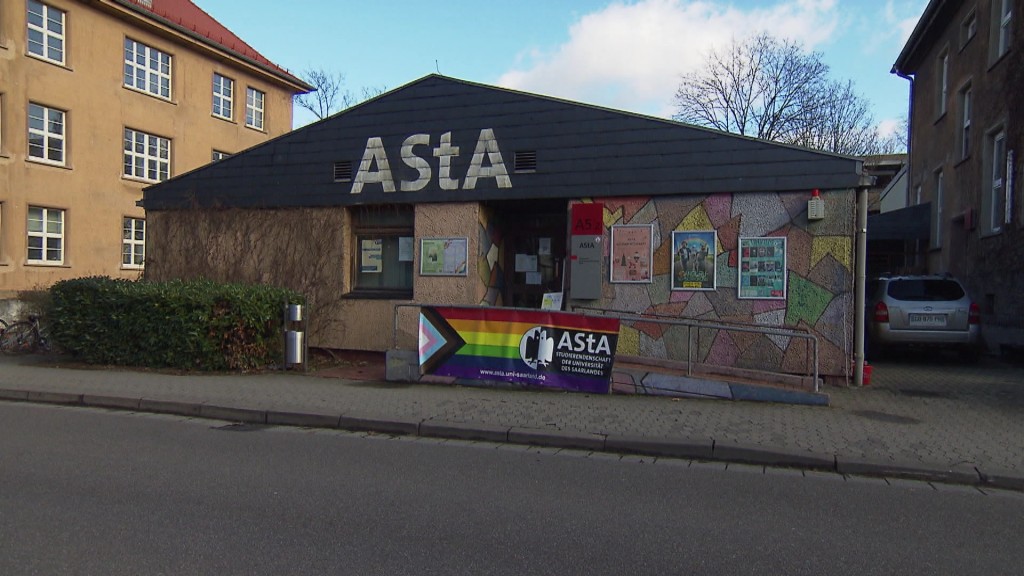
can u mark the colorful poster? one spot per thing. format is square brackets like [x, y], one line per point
[632, 251]
[762, 268]
[443, 256]
[540, 348]
[371, 259]
[693, 260]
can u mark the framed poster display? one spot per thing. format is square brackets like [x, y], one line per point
[444, 256]
[693, 259]
[762, 268]
[631, 253]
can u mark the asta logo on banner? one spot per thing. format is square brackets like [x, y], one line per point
[567, 351]
[536, 348]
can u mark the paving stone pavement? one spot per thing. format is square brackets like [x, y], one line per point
[922, 417]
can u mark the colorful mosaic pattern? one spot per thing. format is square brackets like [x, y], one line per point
[820, 286]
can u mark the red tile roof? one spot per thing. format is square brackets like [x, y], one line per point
[193, 19]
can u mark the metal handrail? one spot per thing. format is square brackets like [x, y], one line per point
[691, 323]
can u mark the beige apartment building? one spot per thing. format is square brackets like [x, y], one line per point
[101, 98]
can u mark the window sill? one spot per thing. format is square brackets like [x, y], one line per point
[939, 118]
[150, 94]
[995, 61]
[34, 264]
[378, 295]
[140, 180]
[961, 161]
[39, 162]
[48, 61]
[223, 118]
[255, 129]
[132, 268]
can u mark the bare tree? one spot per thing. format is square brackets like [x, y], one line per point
[329, 94]
[774, 90]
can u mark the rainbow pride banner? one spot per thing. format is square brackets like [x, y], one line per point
[539, 348]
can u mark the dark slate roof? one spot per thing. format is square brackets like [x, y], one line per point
[582, 151]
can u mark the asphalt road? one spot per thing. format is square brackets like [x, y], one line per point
[86, 491]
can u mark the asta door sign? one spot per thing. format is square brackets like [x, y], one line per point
[375, 168]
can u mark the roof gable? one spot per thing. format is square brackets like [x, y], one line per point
[444, 140]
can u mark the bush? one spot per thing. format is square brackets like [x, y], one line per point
[190, 325]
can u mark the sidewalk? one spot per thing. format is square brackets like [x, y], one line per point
[927, 420]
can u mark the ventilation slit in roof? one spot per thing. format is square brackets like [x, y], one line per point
[343, 171]
[526, 161]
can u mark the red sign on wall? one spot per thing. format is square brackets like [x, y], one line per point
[587, 219]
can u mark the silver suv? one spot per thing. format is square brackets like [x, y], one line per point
[921, 310]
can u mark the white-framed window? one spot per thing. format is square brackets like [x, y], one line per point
[964, 145]
[937, 210]
[133, 242]
[146, 157]
[223, 96]
[943, 82]
[1003, 26]
[45, 235]
[45, 31]
[968, 28]
[147, 69]
[45, 134]
[998, 191]
[254, 102]
[217, 156]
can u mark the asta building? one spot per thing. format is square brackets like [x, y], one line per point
[99, 99]
[446, 192]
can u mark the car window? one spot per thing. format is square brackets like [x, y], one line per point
[925, 290]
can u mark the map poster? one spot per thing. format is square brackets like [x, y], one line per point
[443, 256]
[693, 259]
[762, 268]
[632, 251]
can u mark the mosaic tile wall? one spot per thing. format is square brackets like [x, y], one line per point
[490, 263]
[820, 260]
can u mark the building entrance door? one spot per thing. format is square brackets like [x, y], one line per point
[534, 252]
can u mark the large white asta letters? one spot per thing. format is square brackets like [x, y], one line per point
[374, 168]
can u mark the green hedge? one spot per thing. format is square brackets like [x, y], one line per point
[190, 325]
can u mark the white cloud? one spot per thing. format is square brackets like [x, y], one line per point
[889, 126]
[631, 54]
[902, 16]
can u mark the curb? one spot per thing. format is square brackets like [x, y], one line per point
[702, 449]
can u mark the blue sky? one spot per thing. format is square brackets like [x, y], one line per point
[624, 54]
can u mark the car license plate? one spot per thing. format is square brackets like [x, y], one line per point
[927, 319]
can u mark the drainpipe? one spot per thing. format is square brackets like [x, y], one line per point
[860, 276]
[862, 244]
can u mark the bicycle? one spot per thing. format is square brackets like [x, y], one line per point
[23, 337]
